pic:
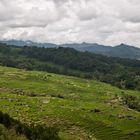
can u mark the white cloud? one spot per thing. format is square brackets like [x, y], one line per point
[59, 21]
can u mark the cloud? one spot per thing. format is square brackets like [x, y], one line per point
[59, 21]
[131, 13]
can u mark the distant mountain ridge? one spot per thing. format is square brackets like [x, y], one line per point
[122, 50]
[28, 43]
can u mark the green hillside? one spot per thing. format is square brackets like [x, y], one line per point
[79, 108]
[123, 73]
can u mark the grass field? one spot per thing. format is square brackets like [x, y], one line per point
[82, 109]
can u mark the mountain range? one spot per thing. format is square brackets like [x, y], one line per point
[122, 50]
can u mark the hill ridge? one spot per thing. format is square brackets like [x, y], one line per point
[122, 50]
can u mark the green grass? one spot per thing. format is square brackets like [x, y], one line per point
[67, 103]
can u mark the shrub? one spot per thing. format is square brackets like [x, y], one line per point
[132, 102]
[32, 132]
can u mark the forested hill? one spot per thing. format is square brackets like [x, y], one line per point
[122, 50]
[123, 73]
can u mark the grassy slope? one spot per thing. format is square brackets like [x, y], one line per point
[66, 102]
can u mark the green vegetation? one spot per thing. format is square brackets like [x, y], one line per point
[32, 132]
[79, 108]
[9, 134]
[132, 102]
[123, 73]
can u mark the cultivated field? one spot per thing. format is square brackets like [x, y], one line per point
[81, 109]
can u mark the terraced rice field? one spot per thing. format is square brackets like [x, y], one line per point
[82, 109]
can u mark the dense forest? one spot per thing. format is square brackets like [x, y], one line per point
[123, 73]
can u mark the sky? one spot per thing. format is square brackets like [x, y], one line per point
[108, 22]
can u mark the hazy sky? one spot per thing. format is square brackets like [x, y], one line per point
[59, 21]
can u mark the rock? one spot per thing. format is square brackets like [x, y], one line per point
[121, 116]
[95, 110]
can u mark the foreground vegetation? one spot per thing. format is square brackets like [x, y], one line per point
[9, 134]
[123, 73]
[23, 131]
[78, 108]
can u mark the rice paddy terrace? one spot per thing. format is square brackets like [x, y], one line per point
[81, 109]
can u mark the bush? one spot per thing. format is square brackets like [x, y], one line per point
[132, 102]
